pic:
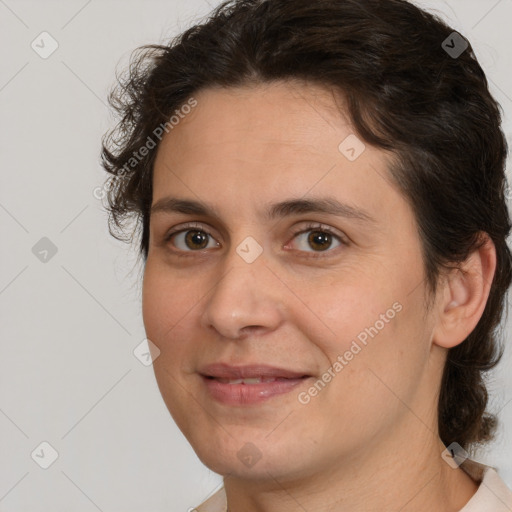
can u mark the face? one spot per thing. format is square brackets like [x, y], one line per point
[263, 277]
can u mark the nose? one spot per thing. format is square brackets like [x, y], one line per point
[247, 299]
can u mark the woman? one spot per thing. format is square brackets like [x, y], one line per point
[320, 190]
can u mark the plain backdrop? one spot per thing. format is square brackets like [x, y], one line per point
[70, 294]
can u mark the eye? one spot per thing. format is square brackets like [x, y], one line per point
[194, 238]
[318, 237]
[191, 238]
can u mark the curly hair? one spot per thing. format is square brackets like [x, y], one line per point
[405, 93]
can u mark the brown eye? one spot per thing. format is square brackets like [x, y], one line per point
[191, 240]
[320, 240]
[317, 239]
[196, 239]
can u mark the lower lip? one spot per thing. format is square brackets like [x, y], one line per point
[249, 394]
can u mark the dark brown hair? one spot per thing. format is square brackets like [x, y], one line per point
[404, 92]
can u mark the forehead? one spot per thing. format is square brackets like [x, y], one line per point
[280, 113]
[240, 146]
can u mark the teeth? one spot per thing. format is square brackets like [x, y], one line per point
[252, 380]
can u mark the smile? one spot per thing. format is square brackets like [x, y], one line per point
[250, 384]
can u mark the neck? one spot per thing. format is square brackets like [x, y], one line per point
[413, 479]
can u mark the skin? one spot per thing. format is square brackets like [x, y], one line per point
[368, 440]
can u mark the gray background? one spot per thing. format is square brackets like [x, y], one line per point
[69, 325]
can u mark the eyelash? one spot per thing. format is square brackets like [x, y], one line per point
[304, 229]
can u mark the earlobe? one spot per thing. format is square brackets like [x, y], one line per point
[464, 295]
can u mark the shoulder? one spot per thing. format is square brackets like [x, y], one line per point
[492, 495]
[215, 503]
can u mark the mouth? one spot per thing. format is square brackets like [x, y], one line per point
[252, 380]
[250, 384]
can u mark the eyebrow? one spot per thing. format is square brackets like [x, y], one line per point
[326, 205]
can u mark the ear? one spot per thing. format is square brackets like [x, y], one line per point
[464, 294]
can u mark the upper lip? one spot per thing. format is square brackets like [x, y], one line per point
[226, 371]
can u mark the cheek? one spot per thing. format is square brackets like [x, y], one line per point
[154, 304]
[368, 329]
[378, 302]
[165, 309]
[372, 370]
[165, 302]
[350, 310]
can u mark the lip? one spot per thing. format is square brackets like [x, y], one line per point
[226, 371]
[242, 394]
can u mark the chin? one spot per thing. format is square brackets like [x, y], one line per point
[256, 461]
